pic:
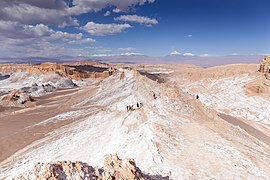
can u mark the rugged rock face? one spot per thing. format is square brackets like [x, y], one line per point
[265, 67]
[50, 68]
[16, 99]
[114, 168]
[10, 68]
[86, 63]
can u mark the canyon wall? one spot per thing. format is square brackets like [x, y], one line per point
[50, 68]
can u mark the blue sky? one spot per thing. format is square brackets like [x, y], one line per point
[150, 27]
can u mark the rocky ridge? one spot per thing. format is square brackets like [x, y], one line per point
[113, 168]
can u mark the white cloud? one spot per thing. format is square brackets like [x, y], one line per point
[35, 47]
[19, 39]
[175, 53]
[107, 13]
[127, 49]
[137, 19]
[64, 36]
[84, 6]
[188, 54]
[25, 25]
[15, 30]
[82, 41]
[57, 12]
[27, 13]
[131, 54]
[104, 29]
[116, 10]
[122, 54]
[190, 36]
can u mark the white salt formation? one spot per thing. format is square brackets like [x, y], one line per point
[173, 134]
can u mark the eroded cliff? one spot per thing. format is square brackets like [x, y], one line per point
[265, 67]
[51, 68]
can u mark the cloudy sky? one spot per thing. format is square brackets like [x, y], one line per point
[151, 27]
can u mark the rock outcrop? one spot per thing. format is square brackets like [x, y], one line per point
[16, 99]
[265, 67]
[114, 168]
[50, 68]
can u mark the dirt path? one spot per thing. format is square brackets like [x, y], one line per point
[249, 129]
[17, 130]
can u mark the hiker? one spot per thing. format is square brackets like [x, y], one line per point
[138, 106]
[141, 104]
[154, 95]
[127, 108]
[197, 96]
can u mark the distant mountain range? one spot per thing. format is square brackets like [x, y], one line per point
[204, 61]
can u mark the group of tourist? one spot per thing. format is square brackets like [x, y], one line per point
[131, 107]
[138, 105]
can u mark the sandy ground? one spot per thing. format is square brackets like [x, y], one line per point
[17, 127]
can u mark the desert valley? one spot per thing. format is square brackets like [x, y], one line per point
[134, 90]
[90, 120]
